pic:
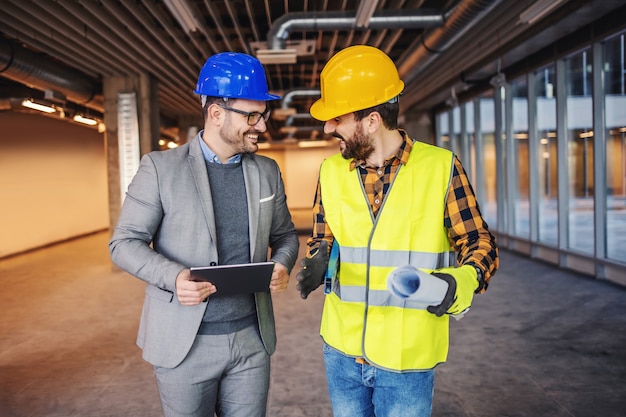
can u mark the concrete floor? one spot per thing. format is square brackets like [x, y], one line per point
[541, 342]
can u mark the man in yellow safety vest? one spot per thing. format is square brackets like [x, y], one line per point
[405, 229]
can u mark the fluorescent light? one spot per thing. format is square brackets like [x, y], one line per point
[85, 120]
[36, 106]
[314, 143]
[365, 12]
[277, 56]
[538, 10]
[183, 14]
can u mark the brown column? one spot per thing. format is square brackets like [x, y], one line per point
[146, 91]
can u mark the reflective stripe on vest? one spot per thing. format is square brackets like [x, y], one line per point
[423, 260]
[361, 317]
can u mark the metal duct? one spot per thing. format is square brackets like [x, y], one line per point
[383, 19]
[435, 41]
[293, 117]
[288, 97]
[24, 66]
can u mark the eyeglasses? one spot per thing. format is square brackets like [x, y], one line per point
[253, 117]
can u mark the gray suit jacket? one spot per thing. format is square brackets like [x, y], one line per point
[167, 224]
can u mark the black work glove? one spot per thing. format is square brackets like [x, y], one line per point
[463, 282]
[313, 271]
[448, 299]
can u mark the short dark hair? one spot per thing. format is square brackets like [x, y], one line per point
[388, 112]
[212, 99]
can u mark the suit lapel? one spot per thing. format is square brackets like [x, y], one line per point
[251, 176]
[201, 180]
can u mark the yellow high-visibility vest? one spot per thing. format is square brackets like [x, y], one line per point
[361, 318]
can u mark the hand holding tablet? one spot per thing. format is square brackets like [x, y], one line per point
[236, 279]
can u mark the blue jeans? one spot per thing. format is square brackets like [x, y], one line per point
[367, 391]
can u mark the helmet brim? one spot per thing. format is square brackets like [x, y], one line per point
[321, 111]
[261, 97]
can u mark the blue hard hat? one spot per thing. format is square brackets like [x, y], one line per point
[233, 75]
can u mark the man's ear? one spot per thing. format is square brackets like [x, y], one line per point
[373, 122]
[215, 114]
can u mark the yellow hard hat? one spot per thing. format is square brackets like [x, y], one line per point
[356, 78]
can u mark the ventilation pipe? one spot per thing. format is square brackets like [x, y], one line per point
[448, 29]
[383, 19]
[288, 97]
[26, 67]
[435, 41]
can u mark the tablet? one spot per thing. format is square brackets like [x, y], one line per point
[236, 279]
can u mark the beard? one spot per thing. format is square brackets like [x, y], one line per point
[359, 147]
[237, 141]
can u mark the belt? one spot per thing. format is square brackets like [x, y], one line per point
[361, 361]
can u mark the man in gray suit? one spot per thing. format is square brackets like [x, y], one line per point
[209, 202]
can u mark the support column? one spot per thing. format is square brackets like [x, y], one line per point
[146, 90]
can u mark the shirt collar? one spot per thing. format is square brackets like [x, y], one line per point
[402, 155]
[210, 156]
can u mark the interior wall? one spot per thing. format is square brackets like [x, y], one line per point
[300, 168]
[53, 181]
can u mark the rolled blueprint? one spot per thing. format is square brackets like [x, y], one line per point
[408, 282]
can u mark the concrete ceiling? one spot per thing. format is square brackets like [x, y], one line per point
[70, 46]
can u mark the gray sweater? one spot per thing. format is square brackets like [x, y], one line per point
[227, 314]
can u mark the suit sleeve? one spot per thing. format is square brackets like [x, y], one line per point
[140, 217]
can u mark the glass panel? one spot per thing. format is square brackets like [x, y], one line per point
[615, 102]
[455, 143]
[520, 160]
[471, 137]
[546, 126]
[580, 152]
[487, 124]
[444, 127]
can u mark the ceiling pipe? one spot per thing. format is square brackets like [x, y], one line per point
[293, 117]
[301, 116]
[343, 20]
[285, 110]
[289, 96]
[436, 41]
[446, 29]
[26, 67]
